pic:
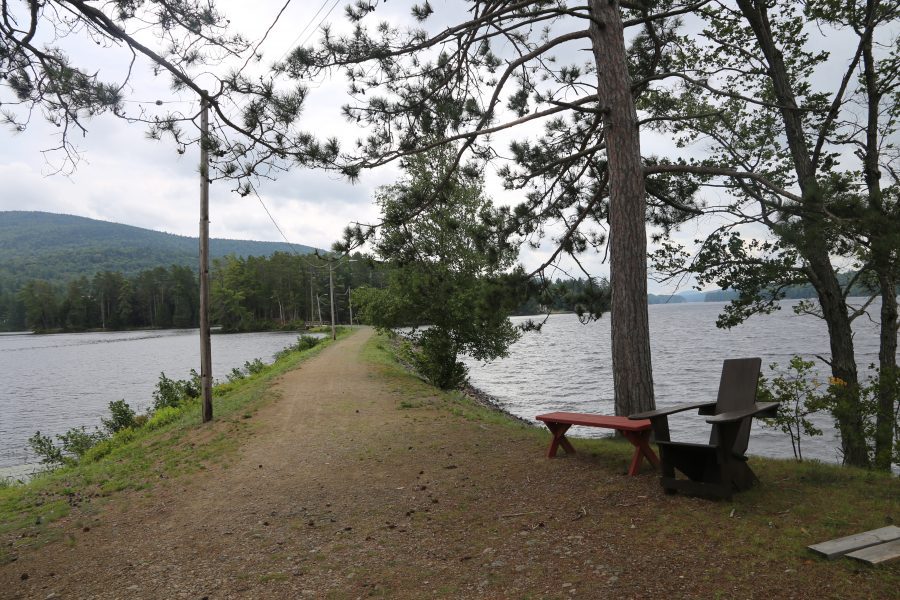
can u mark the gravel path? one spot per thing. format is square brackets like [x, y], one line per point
[357, 484]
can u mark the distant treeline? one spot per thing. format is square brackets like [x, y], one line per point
[248, 294]
[254, 293]
[154, 298]
[285, 290]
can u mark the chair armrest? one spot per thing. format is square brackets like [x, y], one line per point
[662, 412]
[760, 409]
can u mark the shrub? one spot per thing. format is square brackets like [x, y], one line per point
[436, 359]
[192, 387]
[255, 367]
[76, 442]
[121, 417]
[163, 416]
[167, 393]
[171, 392]
[305, 342]
[50, 454]
[235, 375]
[799, 397]
[122, 437]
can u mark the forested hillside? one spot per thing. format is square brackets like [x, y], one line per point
[59, 248]
[63, 256]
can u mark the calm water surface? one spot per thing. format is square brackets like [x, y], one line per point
[54, 382]
[567, 367]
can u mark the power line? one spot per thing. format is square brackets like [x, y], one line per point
[290, 47]
[290, 244]
[310, 22]
[275, 223]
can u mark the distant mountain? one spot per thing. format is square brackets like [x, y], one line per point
[54, 247]
[665, 299]
[692, 295]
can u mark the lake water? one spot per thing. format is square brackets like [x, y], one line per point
[567, 367]
[53, 382]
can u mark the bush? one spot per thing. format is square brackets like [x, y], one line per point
[122, 437]
[121, 417]
[76, 442]
[255, 367]
[167, 393]
[163, 416]
[235, 375]
[305, 342]
[50, 454]
[436, 360]
[171, 392]
[799, 397]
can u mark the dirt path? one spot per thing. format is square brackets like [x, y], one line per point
[351, 487]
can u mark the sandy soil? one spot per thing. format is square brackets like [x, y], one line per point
[343, 493]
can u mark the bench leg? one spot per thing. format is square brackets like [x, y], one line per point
[641, 442]
[559, 438]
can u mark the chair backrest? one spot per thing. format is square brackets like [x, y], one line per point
[737, 390]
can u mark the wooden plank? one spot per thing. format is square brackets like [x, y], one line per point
[834, 548]
[879, 553]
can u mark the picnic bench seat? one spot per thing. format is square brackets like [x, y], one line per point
[636, 432]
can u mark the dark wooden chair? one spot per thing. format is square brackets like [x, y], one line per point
[720, 467]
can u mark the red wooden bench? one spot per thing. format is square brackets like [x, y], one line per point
[636, 432]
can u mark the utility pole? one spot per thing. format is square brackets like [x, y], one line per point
[205, 358]
[331, 289]
[312, 309]
[350, 303]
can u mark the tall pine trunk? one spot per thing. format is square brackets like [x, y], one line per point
[630, 330]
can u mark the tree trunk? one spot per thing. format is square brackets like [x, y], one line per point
[810, 242]
[881, 238]
[888, 375]
[630, 330]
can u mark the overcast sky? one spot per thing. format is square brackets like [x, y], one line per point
[126, 178]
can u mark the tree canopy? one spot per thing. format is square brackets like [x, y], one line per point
[253, 124]
[447, 277]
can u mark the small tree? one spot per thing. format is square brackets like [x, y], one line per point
[799, 397]
[445, 273]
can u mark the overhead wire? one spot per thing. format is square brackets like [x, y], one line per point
[290, 47]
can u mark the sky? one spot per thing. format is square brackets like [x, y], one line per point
[126, 178]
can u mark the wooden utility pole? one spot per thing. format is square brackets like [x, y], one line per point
[312, 308]
[331, 289]
[350, 303]
[205, 350]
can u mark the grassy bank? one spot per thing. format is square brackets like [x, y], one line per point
[764, 530]
[172, 443]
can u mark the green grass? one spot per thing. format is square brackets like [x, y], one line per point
[134, 459]
[413, 392]
[795, 505]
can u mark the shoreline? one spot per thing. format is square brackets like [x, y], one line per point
[490, 402]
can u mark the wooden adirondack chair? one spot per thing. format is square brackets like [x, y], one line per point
[720, 467]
